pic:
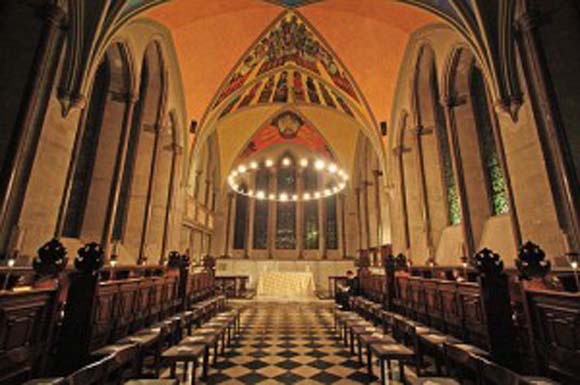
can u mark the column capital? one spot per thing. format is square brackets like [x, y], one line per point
[55, 15]
[452, 101]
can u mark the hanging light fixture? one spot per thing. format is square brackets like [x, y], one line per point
[338, 179]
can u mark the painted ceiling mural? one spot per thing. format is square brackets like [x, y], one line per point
[290, 42]
[287, 128]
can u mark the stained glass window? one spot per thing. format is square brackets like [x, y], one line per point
[286, 211]
[311, 233]
[331, 223]
[491, 162]
[241, 220]
[451, 194]
[261, 212]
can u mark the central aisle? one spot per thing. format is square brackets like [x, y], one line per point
[288, 343]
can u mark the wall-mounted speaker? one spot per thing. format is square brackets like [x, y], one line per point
[384, 128]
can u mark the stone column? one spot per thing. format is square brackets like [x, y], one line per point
[377, 175]
[250, 220]
[117, 178]
[150, 188]
[551, 132]
[272, 213]
[19, 162]
[341, 199]
[367, 220]
[358, 218]
[230, 200]
[399, 152]
[300, 213]
[176, 155]
[449, 104]
[418, 132]
[322, 219]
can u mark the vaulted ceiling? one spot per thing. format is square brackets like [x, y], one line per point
[366, 40]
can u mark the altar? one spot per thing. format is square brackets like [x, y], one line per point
[288, 285]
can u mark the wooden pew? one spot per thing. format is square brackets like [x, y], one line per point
[29, 308]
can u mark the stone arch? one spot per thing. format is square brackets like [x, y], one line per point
[474, 127]
[148, 132]
[100, 152]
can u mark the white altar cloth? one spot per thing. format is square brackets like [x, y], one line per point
[286, 285]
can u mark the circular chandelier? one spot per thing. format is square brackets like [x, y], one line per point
[338, 179]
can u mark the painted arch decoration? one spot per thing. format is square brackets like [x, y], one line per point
[290, 41]
[286, 128]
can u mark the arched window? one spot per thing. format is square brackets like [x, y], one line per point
[241, 219]
[87, 154]
[286, 211]
[121, 214]
[261, 211]
[311, 233]
[451, 193]
[491, 163]
[331, 223]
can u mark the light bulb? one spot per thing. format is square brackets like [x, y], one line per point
[283, 197]
[242, 169]
[332, 168]
[317, 195]
[11, 262]
[286, 162]
[260, 195]
[304, 162]
[251, 193]
[269, 162]
[254, 165]
[327, 192]
[574, 265]
[306, 196]
[319, 164]
[272, 197]
[294, 197]
[234, 173]
[113, 263]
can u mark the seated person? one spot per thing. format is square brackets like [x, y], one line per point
[345, 292]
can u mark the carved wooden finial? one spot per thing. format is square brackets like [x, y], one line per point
[488, 263]
[90, 258]
[51, 259]
[531, 262]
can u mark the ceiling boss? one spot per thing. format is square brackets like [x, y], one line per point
[337, 178]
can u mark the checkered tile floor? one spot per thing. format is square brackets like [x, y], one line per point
[290, 343]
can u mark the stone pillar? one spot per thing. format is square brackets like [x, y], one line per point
[418, 132]
[367, 220]
[449, 104]
[176, 155]
[377, 175]
[250, 220]
[358, 218]
[322, 219]
[18, 163]
[272, 213]
[228, 223]
[341, 200]
[551, 132]
[300, 213]
[117, 178]
[399, 152]
[150, 190]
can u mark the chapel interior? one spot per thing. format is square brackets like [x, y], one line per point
[289, 192]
